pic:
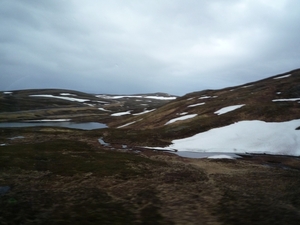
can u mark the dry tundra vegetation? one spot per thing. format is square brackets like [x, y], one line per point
[51, 175]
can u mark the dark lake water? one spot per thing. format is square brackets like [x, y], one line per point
[82, 126]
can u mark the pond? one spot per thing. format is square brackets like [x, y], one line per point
[81, 126]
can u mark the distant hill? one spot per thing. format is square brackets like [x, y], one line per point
[33, 104]
[159, 119]
[273, 99]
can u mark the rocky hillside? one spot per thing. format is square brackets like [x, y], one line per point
[274, 99]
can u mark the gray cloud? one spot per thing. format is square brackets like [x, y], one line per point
[145, 46]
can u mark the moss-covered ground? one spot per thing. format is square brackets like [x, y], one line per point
[63, 176]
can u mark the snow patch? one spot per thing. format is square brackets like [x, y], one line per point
[120, 113]
[286, 100]
[222, 156]
[136, 96]
[144, 112]
[49, 120]
[102, 109]
[127, 124]
[17, 137]
[102, 102]
[91, 105]
[247, 86]
[181, 118]
[124, 96]
[205, 97]
[194, 105]
[228, 109]
[246, 137]
[285, 76]
[7, 92]
[161, 97]
[67, 94]
[61, 97]
[183, 113]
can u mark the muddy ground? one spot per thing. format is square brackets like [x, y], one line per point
[63, 176]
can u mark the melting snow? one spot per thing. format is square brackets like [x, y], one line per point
[127, 124]
[146, 111]
[104, 109]
[49, 120]
[61, 97]
[136, 96]
[92, 105]
[181, 118]
[287, 99]
[183, 113]
[222, 156]
[248, 86]
[285, 76]
[194, 105]
[17, 137]
[120, 113]
[228, 109]
[161, 97]
[205, 97]
[246, 137]
[124, 96]
[67, 94]
[102, 102]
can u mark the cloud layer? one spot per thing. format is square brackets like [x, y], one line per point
[145, 46]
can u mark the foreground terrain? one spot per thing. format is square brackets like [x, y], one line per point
[64, 176]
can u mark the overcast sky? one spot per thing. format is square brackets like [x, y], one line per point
[142, 46]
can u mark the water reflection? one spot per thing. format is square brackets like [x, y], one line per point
[82, 126]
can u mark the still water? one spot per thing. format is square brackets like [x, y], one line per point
[82, 126]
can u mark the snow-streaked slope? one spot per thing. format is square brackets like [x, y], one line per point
[246, 136]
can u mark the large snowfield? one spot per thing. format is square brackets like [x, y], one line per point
[246, 137]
